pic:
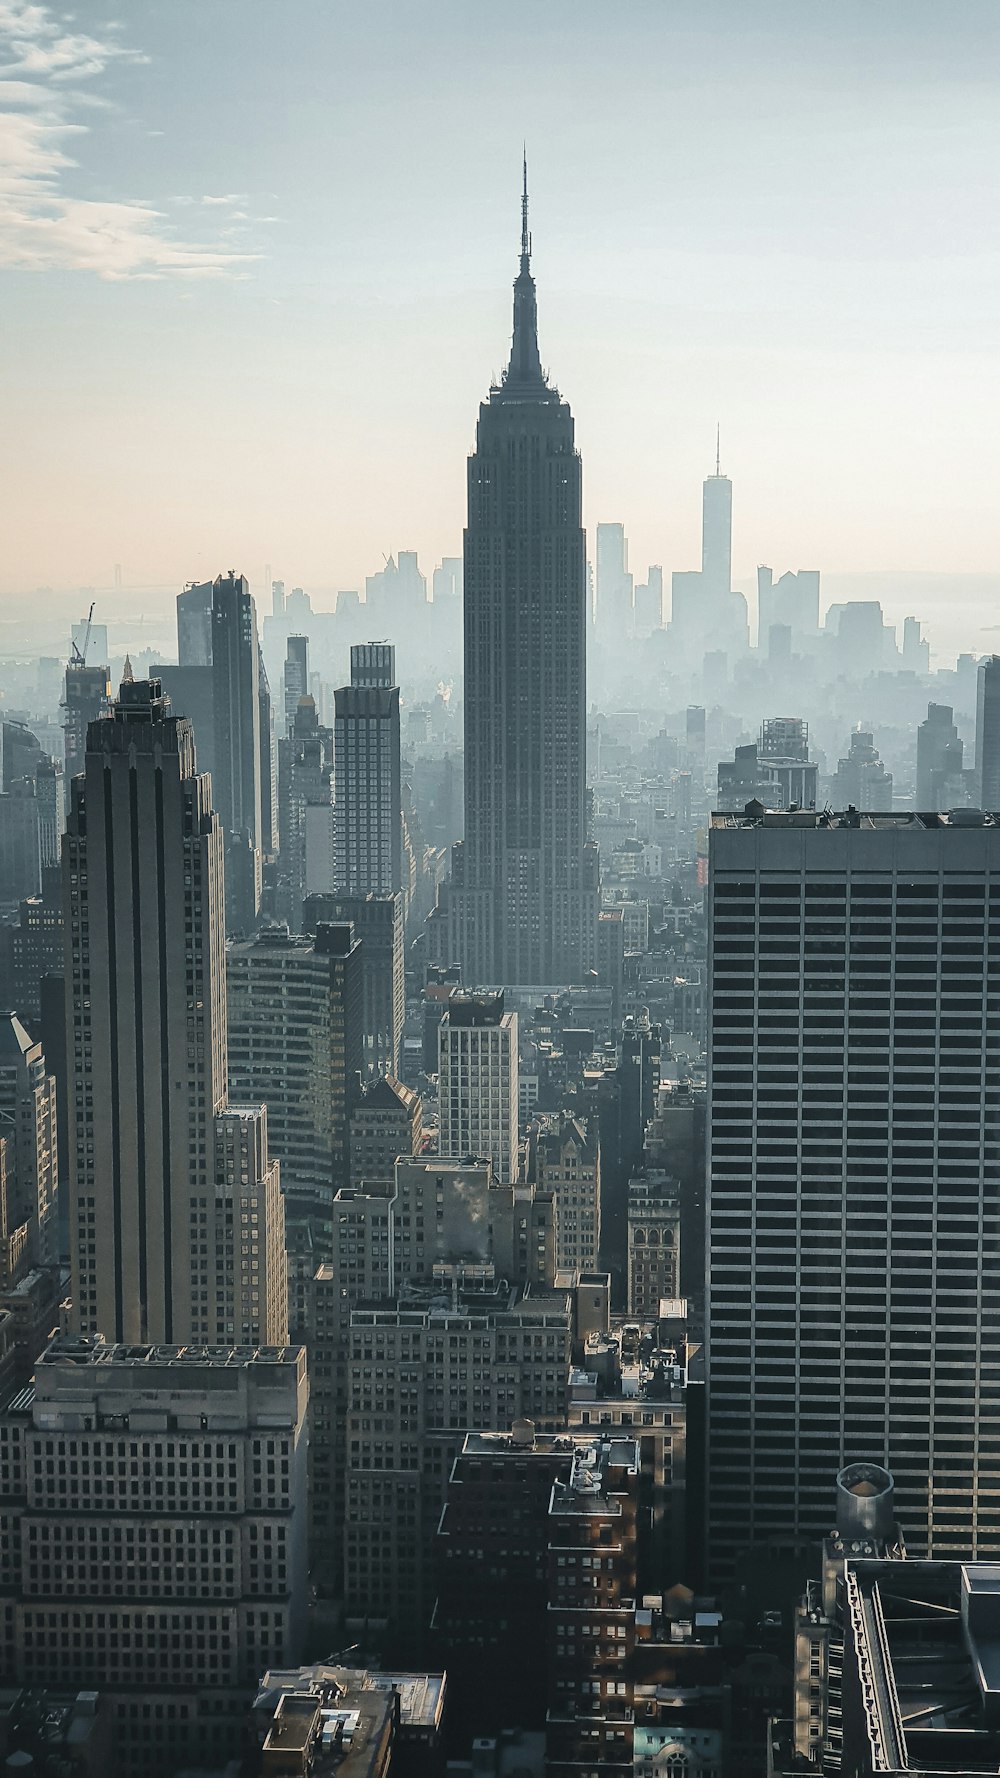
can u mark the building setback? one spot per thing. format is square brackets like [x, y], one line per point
[523, 898]
[854, 1133]
[176, 1217]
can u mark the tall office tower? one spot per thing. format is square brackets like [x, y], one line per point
[305, 813]
[916, 650]
[368, 818]
[159, 1496]
[87, 695]
[447, 581]
[717, 533]
[37, 945]
[268, 768]
[296, 677]
[378, 923]
[295, 1044]
[478, 1082]
[386, 1123]
[861, 780]
[236, 781]
[648, 602]
[277, 598]
[566, 1158]
[524, 881]
[28, 1126]
[194, 624]
[155, 1203]
[706, 615]
[50, 796]
[988, 733]
[20, 842]
[791, 602]
[615, 614]
[854, 1231]
[941, 781]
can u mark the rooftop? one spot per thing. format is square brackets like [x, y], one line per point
[756, 815]
[92, 1349]
[927, 1644]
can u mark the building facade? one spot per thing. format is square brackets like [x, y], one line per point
[155, 1505]
[478, 1082]
[154, 1203]
[853, 1222]
[368, 818]
[523, 898]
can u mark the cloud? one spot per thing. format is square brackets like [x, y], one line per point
[43, 225]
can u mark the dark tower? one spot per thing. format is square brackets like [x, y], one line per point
[524, 887]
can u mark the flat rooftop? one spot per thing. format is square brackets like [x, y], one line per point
[755, 815]
[927, 1641]
[87, 1349]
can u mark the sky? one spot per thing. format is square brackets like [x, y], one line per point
[256, 261]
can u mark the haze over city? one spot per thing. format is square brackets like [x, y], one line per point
[499, 890]
[256, 260]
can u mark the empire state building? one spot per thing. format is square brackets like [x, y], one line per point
[523, 901]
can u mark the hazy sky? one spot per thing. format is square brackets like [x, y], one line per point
[257, 256]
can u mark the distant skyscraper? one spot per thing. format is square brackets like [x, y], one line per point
[791, 602]
[177, 1229]
[296, 677]
[706, 615]
[717, 533]
[941, 781]
[854, 1224]
[615, 616]
[305, 811]
[236, 675]
[194, 625]
[368, 820]
[861, 780]
[478, 1082]
[524, 883]
[268, 768]
[988, 734]
[378, 923]
[87, 692]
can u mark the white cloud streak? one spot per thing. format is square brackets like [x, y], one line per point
[43, 225]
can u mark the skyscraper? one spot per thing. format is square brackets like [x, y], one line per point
[615, 615]
[194, 624]
[305, 813]
[477, 1082]
[176, 1223]
[706, 615]
[368, 819]
[524, 883]
[296, 677]
[236, 782]
[854, 1215]
[717, 533]
[941, 781]
[988, 733]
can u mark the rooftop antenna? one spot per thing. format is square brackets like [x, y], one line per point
[525, 236]
[718, 434]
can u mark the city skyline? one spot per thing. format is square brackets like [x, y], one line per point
[813, 273]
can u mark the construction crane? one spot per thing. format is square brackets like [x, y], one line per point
[78, 655]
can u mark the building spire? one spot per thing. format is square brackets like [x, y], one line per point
[718, 435]
[525, 368]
